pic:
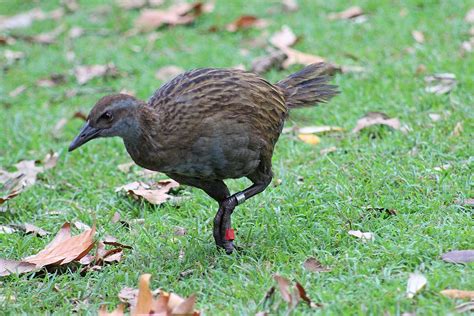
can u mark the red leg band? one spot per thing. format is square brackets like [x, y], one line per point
[229, 234]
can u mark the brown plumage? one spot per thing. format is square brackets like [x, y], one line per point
[207, 125]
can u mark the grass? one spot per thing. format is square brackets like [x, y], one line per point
[286, 224]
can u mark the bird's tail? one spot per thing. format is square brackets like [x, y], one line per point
[307, 87]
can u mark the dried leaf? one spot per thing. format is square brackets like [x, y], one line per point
[459, 294]
[12, 56]
[363, 236]
[86, 73]
[327, 150]
[319, 129]
[465, 307]
[416, 282]
[31, 229]
[469, 18]
[75, 32]
[58, 128]
[129, 296]
[290, 5]
[440, 83]
[465, 202]
[376, 118]
[283, 38]
[245, 22]
[434, 117]
[313, 265]
[119, 311]
[284, 286]
[81, 226]
[274, 60]
[302, 294]
[52, 81]
[180, 231]
[178, 14]
[48, 37]
[156, 194]
[295, 57]
[50, 160]
[309, 139]
[6, 229]
[24, 20]
[349, 13]
[458, 256]
[168, 72]
[458, 129]
[138, 4]
[17, 91]
[8, 267]
[418, 36]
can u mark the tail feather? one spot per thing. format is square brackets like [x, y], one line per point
[307, 87]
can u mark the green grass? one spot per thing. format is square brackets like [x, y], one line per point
[286, 224]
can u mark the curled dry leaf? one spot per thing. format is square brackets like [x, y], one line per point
[178, 14]
[155, 194]
[313, 265]
[458, 256]
[17, 91]
[6, 229]
[309, 139]
[295, 57]
[47, 37]
[263, 64]
[30, 229]
[349, 13]
[81, 226]
[119, 311]
[290, 5]
[376, 118]
[245, 22]
[12, 56]
[86, 73]
[138, 4]
[51, 81]
[465, 202]
[465, 307]
[458, 129]
[416, 282]
[440, 83]
[293, 294]
[25, 19]
[168, 72]
[63, 249]
[418, 36]
[458, 294]
[363, 236]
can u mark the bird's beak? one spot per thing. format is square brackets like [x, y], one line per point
[86, 134]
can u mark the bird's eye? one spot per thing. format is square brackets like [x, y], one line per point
[106, 116]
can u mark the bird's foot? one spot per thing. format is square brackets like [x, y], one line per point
[223, 232]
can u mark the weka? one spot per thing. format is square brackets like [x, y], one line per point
[208, 125]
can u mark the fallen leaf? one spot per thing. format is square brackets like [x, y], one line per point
[119, 311]
[24, 20]
[283, 38]
[75, 32]
[313, 265]
[17, 91]
[458, 256]
[116, 217]
[63, 249]
[284, 286]
[168, 72]
[363, 236]
[465, 202]
[12, 56]
[349, 13]
[458, 294]
[178, 14]
[416, 282]
[458, 129]
[319, 129]
[440, 83]
[81, 226]
[469, 18]
[51, 81]
[434, 117]
[295, 57]
[290, 5]
[376, 118]
[304, 296]
[442, 167]
[30, 229]
[467, 47]
[293, 294]
[138, 4]
[418, 36]
[245, 22]
[327, 150]
[180, 231]
[46, 38]
[465, 307]
[6, 229]
[86, 73]
[155, 194]
[58, 127]
[50, 160]
[309, 139]
[274, 60]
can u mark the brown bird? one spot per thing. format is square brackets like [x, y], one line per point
[207, 125]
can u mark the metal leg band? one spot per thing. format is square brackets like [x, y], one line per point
[240, 197]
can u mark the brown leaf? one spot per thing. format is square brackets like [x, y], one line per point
[125, 167]
[469, 18]
[465, 307]
[17, 91]
[319, 129]
[12, 56]
[458, 129]
[363, 236]
[81, 226]
[327, 150]
[245, 22]
[7, 229]
[168, 72]
[313, 265]
[8, 267]
[178, 14]
[302, 294]
[283, 38]
[349, 13]
[116, 217]
[119, 311]
[458, 256]
[418, 36]
[138, 4]
[465, 202]
[459, 294]
[416, 282]
[295, 57]
[50, 160]
[284, 286]
[180, 231]
[48, 37]
[31, 229]
[274, 60]
[309, 139]
[440, 83]
[75, 32]
[186, 307]
[376, 118]
[86, 73]
[156, 194]
[128, 296]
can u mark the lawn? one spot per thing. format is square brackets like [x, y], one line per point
[320, 198]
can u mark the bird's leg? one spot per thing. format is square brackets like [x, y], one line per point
[227, 208]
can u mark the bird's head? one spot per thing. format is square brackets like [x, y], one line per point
[113, 115]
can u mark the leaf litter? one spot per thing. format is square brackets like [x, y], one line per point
[416, 282]
[441, 83]
[378, 118]
[156, 193]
